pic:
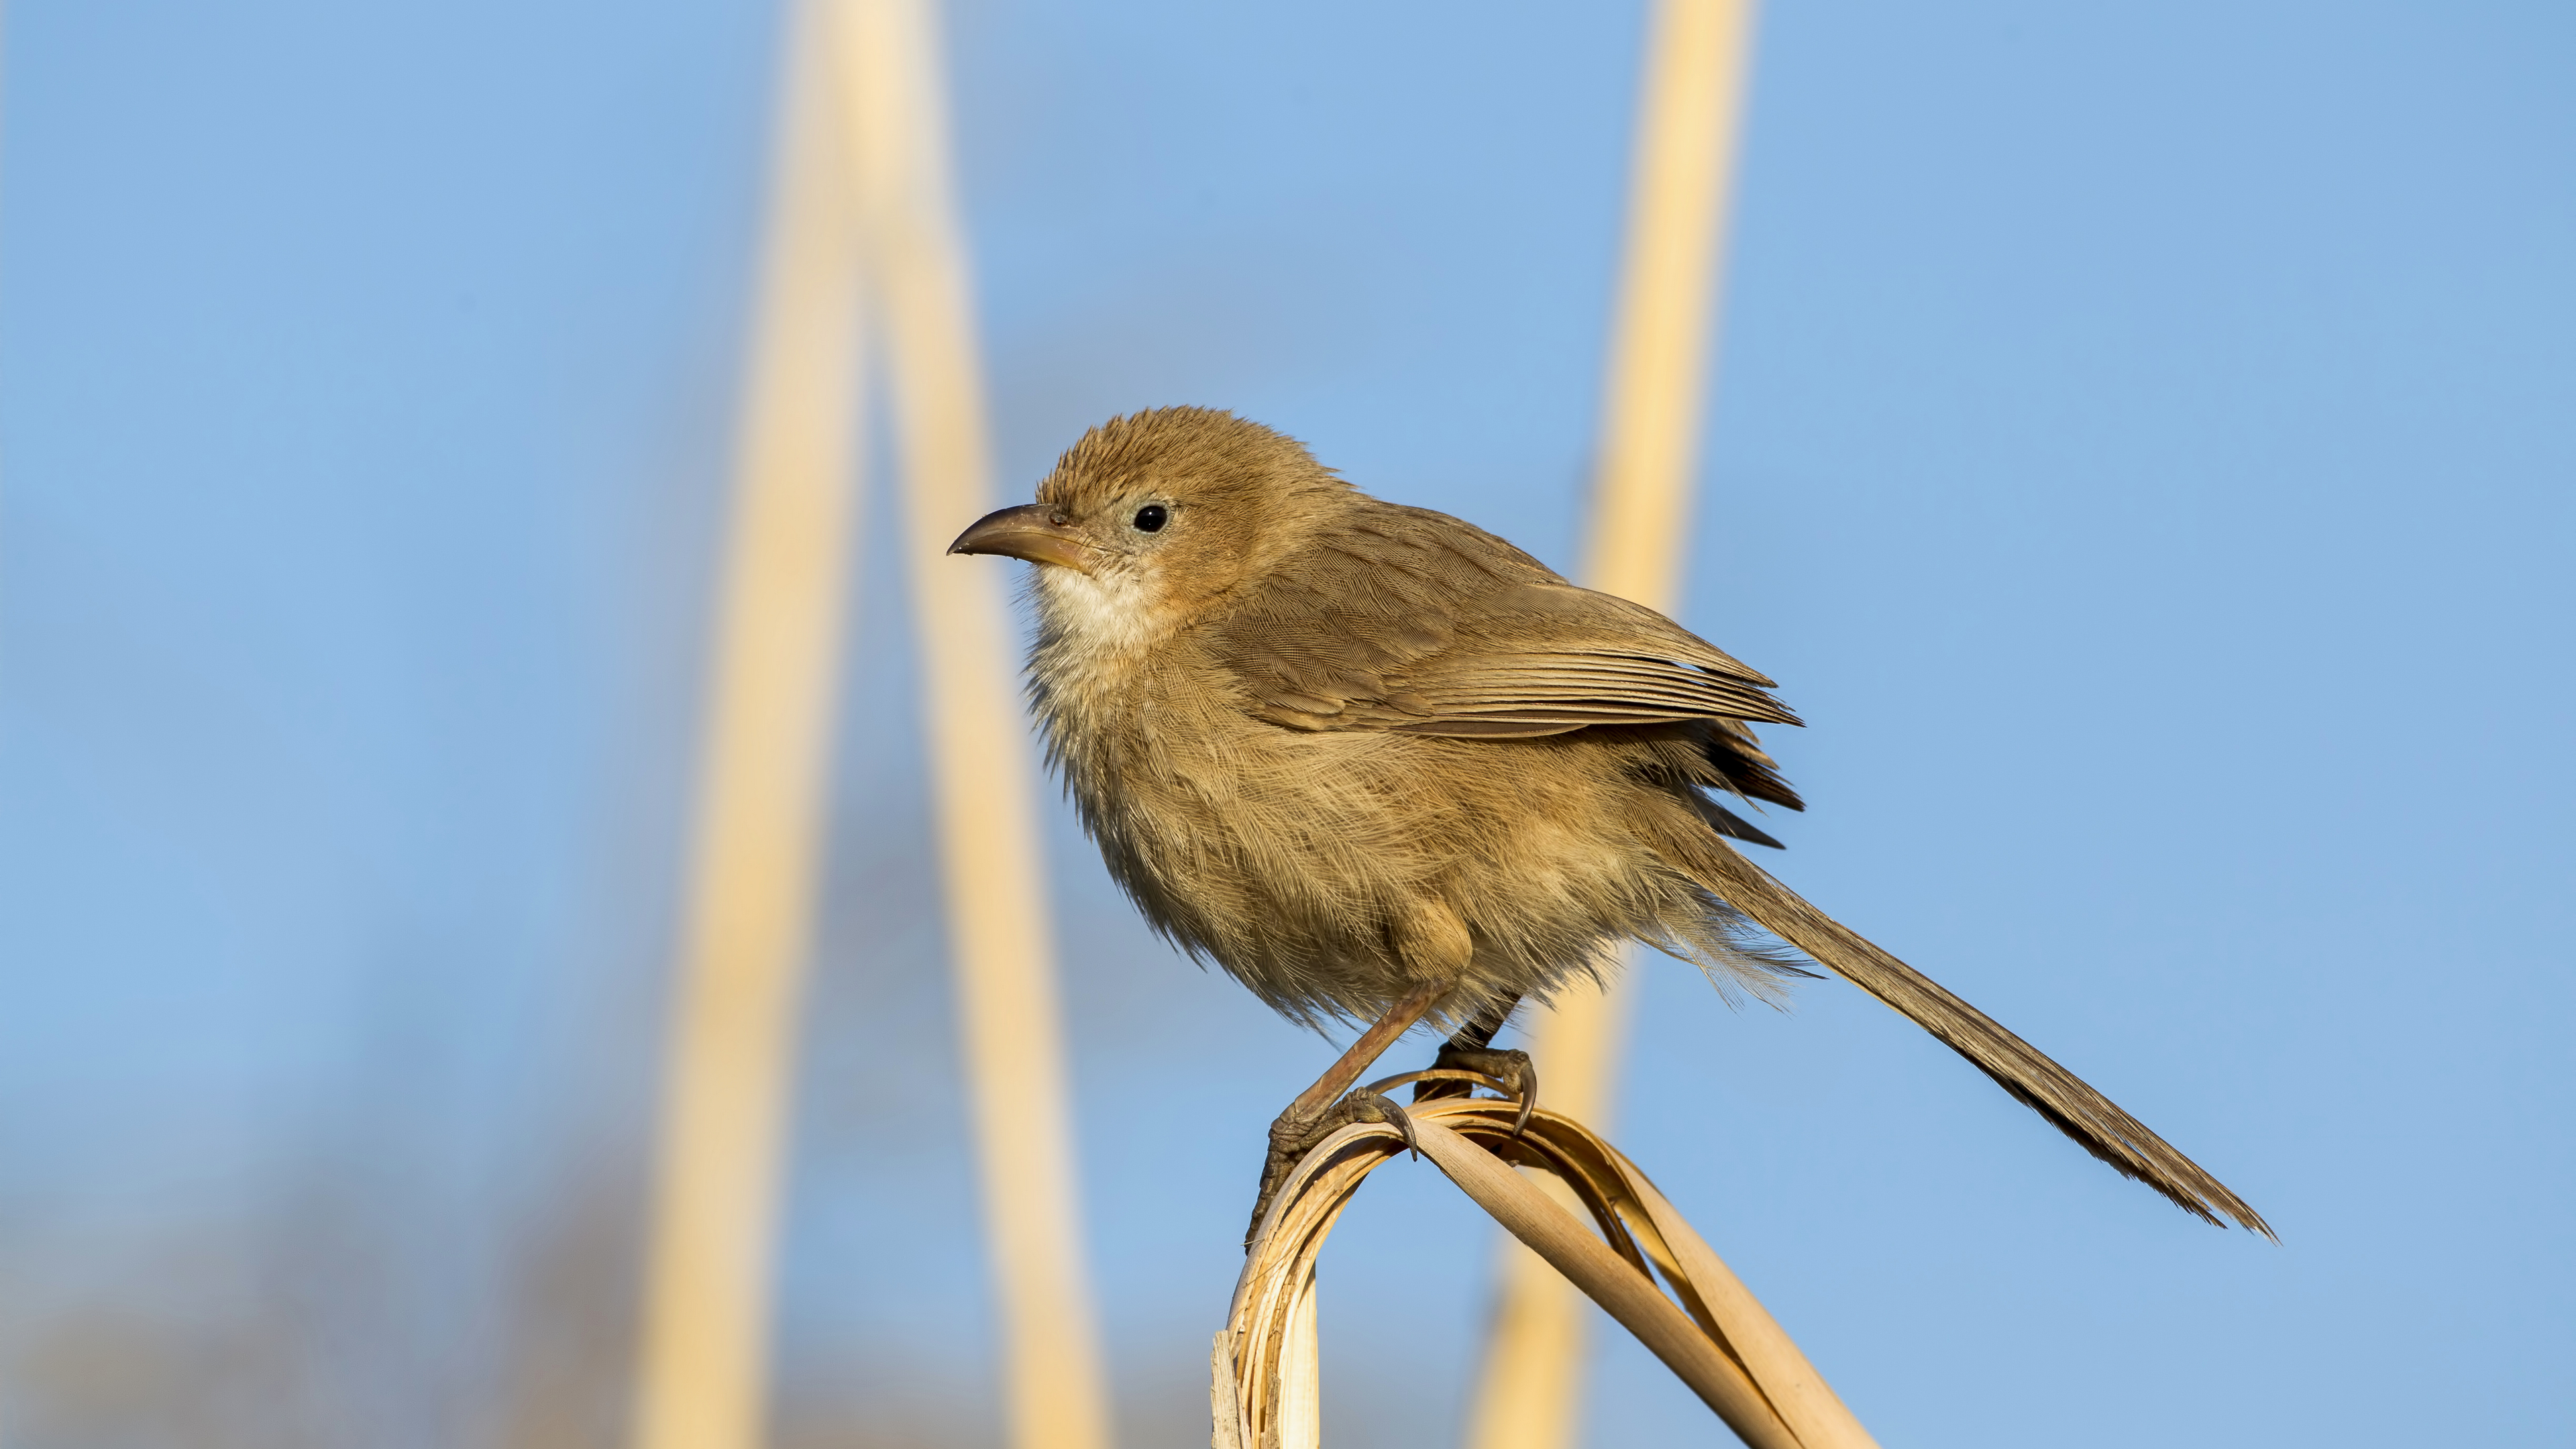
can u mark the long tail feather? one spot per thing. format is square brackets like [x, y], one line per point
[2057, 1094]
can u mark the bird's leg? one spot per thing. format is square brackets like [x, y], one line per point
[1322, 1107]
[1471, 1049]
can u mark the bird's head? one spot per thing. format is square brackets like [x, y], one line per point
[1153, 518]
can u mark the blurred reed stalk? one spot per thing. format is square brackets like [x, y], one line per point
[1690, 107]
[860, 210]
[984, 783]
[767, 727]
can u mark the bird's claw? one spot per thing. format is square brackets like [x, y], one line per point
[1293, 1136]
[1511, 1067]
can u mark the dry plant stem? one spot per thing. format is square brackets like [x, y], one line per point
[1708, 1289]
[983, 781]
[1300, 1402]
[1716, 1337]
[1384, 1085]
[702, 1373]
[1225, 1404]
[1813, 1410]
[1265, 1297]
[1608, 1280]
[1690, 105]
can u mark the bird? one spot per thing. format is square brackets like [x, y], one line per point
[1379, 765]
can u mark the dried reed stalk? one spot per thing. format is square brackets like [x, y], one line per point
[1690, 104]
[764, 758]
[1708, 1330]
[861, 214]
[983, 778]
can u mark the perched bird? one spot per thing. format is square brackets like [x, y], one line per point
[1380, 765]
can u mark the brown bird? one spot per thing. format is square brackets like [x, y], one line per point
[1380, 765]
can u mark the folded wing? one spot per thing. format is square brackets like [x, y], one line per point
[1418, 623]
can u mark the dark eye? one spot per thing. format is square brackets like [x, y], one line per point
[1151, 518]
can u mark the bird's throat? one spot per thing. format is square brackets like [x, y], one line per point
[1102, 624]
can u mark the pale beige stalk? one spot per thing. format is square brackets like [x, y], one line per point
[1814, 1412]
[1529, 1389]
[1301, 1371]
[764, 753]
[984, 783]
[1689, 113]
[1529, 1393]
[1611, 1232]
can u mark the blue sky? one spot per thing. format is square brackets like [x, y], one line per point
[2141, 448]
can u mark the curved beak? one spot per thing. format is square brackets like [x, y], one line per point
[1026, 532]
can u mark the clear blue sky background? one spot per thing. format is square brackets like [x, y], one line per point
[2143, 451]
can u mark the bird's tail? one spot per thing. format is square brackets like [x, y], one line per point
[2019, 1068]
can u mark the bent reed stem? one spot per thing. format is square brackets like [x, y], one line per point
[1701, 1322]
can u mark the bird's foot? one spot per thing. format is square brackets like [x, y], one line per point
[1511, 1067]
[1293, 1135]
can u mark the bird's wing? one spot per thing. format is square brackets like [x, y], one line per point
[1409, 621]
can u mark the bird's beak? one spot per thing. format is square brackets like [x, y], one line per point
[1026, 532]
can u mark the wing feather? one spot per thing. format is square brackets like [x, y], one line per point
[1411, 621]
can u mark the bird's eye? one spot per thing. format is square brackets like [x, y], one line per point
[1151, 518]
